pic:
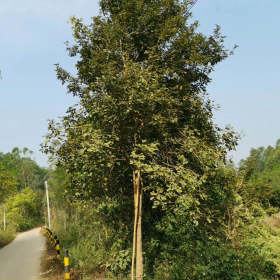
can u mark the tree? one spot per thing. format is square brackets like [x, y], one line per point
[143, 125]
[27, 171]
[8, 183]
[24, 209]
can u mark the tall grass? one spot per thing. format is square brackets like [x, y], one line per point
[6, 237]
[95, 249]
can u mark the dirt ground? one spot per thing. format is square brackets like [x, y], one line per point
[51, 268]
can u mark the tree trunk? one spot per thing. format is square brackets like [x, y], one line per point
[139, 252]
[137, 232]
[135, 227]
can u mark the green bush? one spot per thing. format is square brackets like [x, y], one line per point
[216, 262]
[95, 247]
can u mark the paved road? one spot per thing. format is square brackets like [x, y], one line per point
[20, 260]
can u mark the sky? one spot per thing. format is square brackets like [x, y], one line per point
[245, 86]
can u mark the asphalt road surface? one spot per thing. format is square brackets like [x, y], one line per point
[20, 260]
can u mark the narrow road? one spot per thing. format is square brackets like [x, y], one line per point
[20, 260]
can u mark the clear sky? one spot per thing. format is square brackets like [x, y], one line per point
[33, 32]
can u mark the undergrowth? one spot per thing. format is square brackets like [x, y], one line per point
[6, 237]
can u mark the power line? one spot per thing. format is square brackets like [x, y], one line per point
[192, 4]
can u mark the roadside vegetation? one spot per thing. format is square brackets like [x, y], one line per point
[51, 268]
[6, 237]
[142, 187]
[21, 193]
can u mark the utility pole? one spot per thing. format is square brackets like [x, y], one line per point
[4, 218]
[48, 204]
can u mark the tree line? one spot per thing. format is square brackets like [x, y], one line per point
[21, 193]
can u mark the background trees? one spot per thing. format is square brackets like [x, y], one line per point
[20, 163]
[8, 183]
[21, 181]
[262, 174]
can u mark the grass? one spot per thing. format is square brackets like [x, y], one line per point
[52, 269]
[6, 237]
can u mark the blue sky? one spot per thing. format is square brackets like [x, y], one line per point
[33, 32]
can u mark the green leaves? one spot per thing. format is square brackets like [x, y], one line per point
[261, 171]
[24, 210]
[21, 180]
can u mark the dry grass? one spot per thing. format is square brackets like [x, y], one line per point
[6, 238]
[3, 243]
[51, 268]
[273, 221]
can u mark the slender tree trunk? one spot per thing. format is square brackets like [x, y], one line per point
[65, 220]
[137, 232]
[135, 227]
[139, 252]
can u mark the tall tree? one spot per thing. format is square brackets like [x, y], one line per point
[142, 129]
[8, 183]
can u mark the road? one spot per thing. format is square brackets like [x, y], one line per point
[20, 260]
